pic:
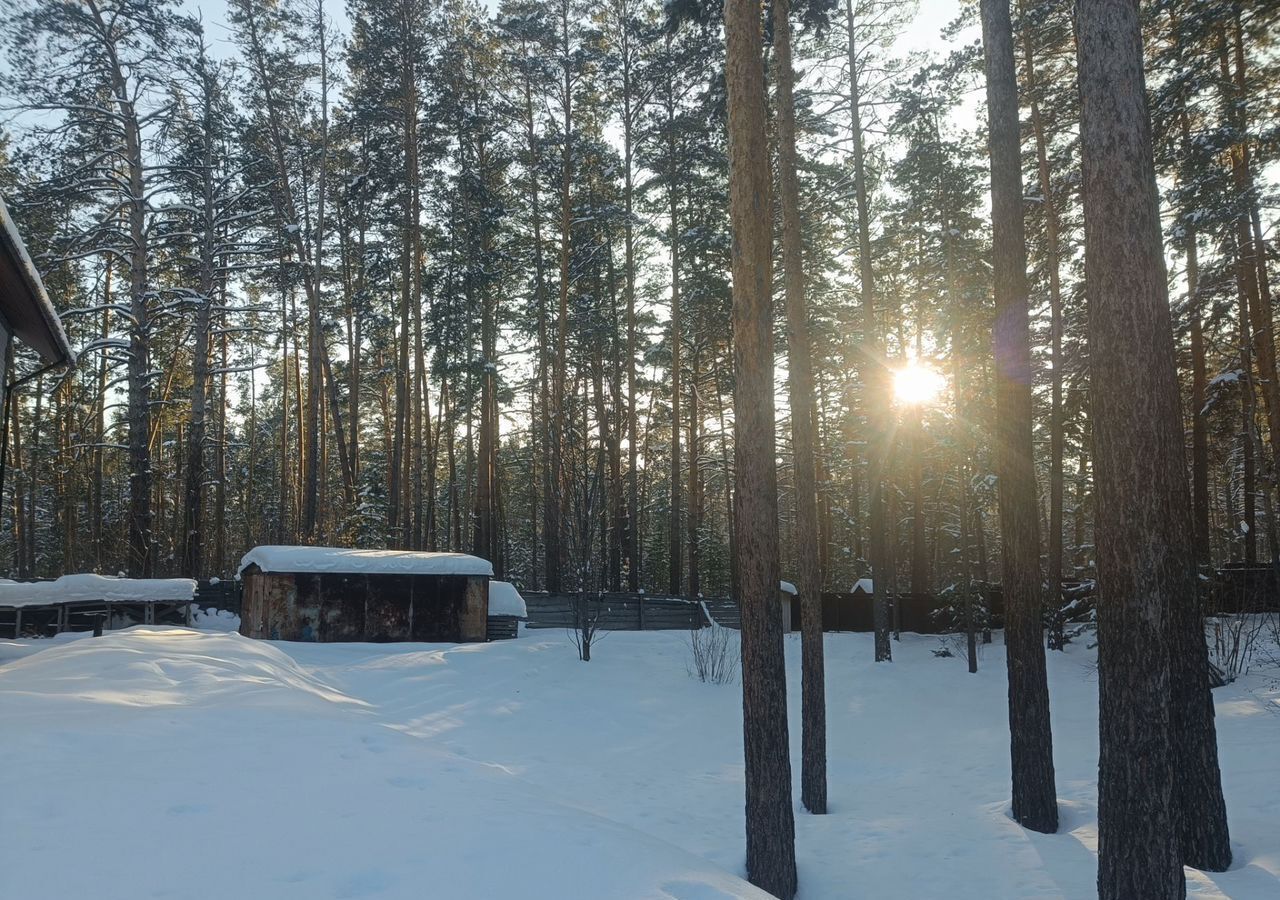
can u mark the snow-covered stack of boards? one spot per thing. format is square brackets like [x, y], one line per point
[79, 602]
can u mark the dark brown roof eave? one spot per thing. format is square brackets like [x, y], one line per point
[37, 324]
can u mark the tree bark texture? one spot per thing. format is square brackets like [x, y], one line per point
[802, 394]
[1035, 803]
[770, 823]
[1148, 654]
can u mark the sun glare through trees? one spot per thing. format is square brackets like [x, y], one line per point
[871, 349]
[917, 383]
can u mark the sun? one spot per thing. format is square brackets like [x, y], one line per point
[917, 383]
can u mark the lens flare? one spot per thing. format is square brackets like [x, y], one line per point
[917, 383]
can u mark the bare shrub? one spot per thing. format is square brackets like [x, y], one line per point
[714, 654]
[586, 631]
[1233, 641]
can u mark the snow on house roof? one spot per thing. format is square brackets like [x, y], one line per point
[23, 299]
[505, 600]
[788, 588]
[89, 588]
[370, 562]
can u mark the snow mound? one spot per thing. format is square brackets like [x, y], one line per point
[505, 600]
[322, 799]
[320, 560]
[89, 588]
[158, 666]
[215, 620]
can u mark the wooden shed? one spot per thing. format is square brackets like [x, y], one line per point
[338, 594]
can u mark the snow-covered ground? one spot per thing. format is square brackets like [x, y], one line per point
[172, 762]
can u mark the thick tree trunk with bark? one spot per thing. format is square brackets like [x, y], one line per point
[771, 861]
[1035, 802]
[1145, 555]
[801, 394]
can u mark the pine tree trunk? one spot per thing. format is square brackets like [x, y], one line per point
[192, 534]
[875, 384]
[315, 384]
[674, 533]
[1053, 263]
[1035, 802]
[20, 475]
[284, 493]
[141, 558]
[801, 394]
[631, 541]
[771, 862]
[1199, 429]
[100, 428]
[1199, 389]
[287, 218]
[1248, 425]
[919, 554]
[1251, 256]
[695, 481]
[1143, 530]
[220, 462]
[558, 501]
[617, 428]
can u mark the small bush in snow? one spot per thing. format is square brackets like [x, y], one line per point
[1233, 640]
[586, 625]
[714, 654]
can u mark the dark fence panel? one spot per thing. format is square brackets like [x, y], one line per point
[615, 612]
[1240, 588]
[916, 613]
[219, 595]
[725, 611]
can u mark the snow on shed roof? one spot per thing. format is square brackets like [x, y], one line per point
[370, 562]
[505, 600]
[88, 588]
